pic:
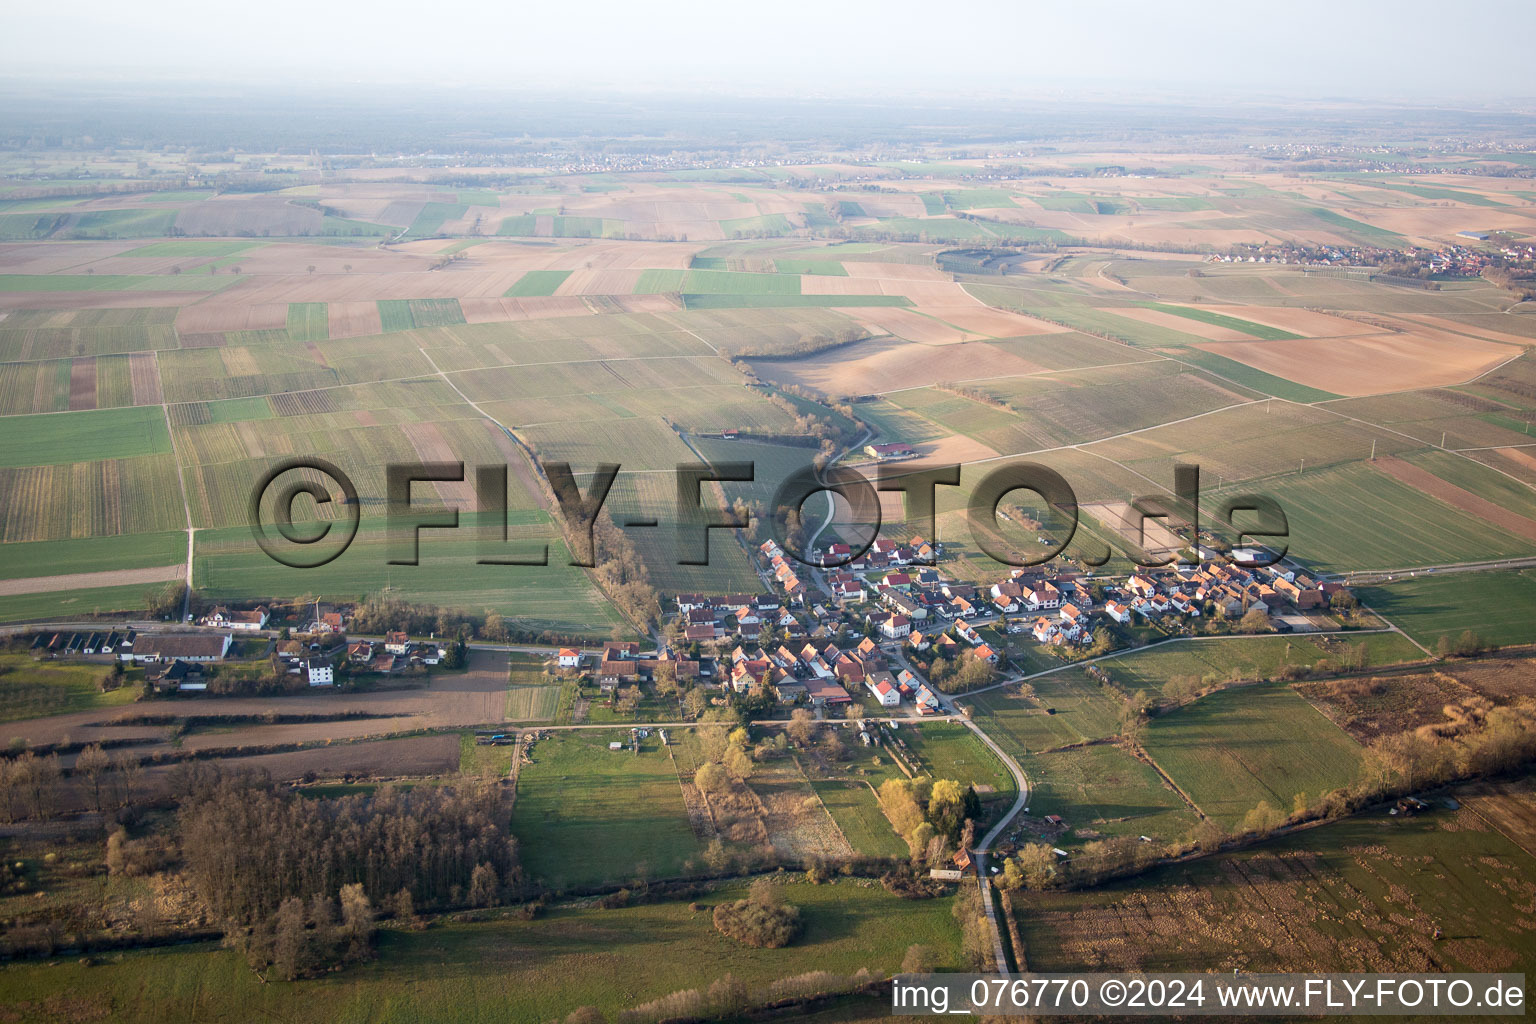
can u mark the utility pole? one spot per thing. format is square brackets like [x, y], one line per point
[1373, 450]
[1442, 437]
[1303, 468]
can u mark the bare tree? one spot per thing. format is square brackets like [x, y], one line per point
[92, 764]
[127, 771]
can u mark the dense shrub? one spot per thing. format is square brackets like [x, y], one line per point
[759, 920]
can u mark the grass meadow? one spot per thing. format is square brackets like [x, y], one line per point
[1100, 790]
[1219, 659]
[948, 750]
[1236, 747]
[502, 969]
[586, 814]
[32, 689]
[1068, 707]
[856, 809]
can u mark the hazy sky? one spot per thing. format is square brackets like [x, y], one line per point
[1370, 49]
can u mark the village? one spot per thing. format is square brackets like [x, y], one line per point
[885, 632]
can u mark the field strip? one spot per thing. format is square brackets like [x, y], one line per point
[1458, 497]
[1493, 448]
[416, 376]
[186, 506]
[705, 341]
[1409, 391]
[1083, 445]
[1419, 443]
[89, 580]
[1033, 373]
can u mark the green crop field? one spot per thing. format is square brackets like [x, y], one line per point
[538, 282]
[1249, 377]
[735, 282]
[855, 808]
[307, 321]
[586, 814]
[770, 224]
[84, 436]
[62, 605]
[734, 301]
[1498, 606]
[1100, 790]
[113, 282]
[658, 281]
[1072, 408]
[793, 265]
[430, 220]
[142, 223]
[937, 229]
[1368, 233]
[190, 248]
[92, 554]
[408, 314]
[979, 198]
[1240, 746]
[532, 703]
[1206, 316]
[545, 968]
[531, 695]
[1355, 517]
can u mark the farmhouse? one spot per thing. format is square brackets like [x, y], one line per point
[318, 672]
[249, 622]
[396, 642]
[569, 657]
[155, 647]
[890, 452]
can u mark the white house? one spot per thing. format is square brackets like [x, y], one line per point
[884, 692]
[319, 672]
[569, 658]
[896, 627]
[1117, 611]
[249, 622]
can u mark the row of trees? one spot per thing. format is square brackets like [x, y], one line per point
[30, 785]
